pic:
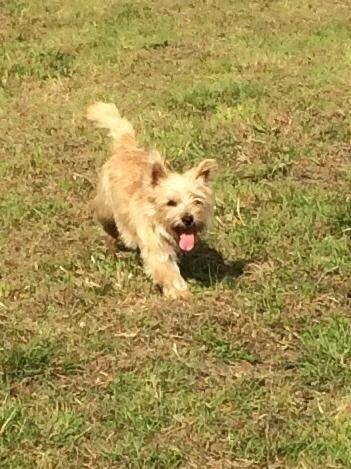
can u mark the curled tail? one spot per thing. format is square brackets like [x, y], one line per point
[107, 116]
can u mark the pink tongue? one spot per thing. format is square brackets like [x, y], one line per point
[186, 241]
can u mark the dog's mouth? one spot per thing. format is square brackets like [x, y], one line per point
[187, 241]
[187, 237]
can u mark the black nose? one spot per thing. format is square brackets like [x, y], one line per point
[188, 220]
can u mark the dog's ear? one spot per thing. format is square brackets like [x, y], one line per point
[204, 169]
[158, 172]
[158, 167]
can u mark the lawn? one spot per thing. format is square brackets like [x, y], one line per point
[97, 370]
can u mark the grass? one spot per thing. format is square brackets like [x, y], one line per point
[96, 369]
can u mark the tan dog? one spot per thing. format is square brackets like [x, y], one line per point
[151, 208]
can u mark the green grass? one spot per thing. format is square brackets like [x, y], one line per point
[96, 369]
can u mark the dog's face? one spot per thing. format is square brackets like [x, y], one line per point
[183, 201]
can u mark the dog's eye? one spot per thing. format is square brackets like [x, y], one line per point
[198, 202]
[172, 203]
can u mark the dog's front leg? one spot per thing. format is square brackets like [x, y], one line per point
[164, 271]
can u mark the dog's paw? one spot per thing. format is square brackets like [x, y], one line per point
[176, 294]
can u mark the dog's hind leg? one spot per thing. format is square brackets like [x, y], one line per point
[104, 215]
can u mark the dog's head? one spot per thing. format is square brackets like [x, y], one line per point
[183, 201]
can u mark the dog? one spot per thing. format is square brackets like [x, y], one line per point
[148, 206]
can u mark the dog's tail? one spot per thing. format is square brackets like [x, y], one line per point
[107, 116]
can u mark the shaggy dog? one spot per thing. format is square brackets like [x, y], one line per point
[148, 206]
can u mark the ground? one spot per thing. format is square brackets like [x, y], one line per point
[96, 369]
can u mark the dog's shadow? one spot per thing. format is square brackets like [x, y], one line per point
[208, 266]
[204, 264]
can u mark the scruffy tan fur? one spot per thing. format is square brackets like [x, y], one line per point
[142, 201]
